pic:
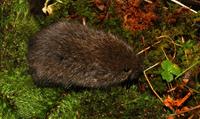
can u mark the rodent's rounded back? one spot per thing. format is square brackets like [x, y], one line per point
[72, 54]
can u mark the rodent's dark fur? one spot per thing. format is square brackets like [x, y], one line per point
[69, 54]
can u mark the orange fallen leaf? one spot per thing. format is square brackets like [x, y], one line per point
[170, 117]
[180, 111]
[179, 102]
[168, 102]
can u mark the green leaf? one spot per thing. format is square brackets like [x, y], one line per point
[170, 67]
[174, 69]
[166, 64]
[167, 76]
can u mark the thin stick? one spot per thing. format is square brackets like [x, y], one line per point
[147, 48]
[148, 1]
[170, 41]
[164, 53]
[196, 91]
[187, 69]
[192, 108]
[150, 82]
[181, 4]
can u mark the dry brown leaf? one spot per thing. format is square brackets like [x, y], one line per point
[100, 5]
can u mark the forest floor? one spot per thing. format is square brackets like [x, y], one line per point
[164, 32]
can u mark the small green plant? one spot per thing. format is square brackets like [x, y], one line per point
[169, 70]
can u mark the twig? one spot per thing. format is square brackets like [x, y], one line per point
[150, 82]
[84, 21]
[192, 108]
[187, 69]
[160, 37]
[147, 48]
[193, 90]
[164, 53]
[148, 1]
[171, 41]
[181, 4]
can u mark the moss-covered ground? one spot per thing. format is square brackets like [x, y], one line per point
[20, 98]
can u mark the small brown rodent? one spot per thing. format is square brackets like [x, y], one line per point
[70, 54]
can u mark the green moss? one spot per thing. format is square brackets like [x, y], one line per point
[66, 108]
[119, 103]
[16, 28]
[20, 98]
[25, 99]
